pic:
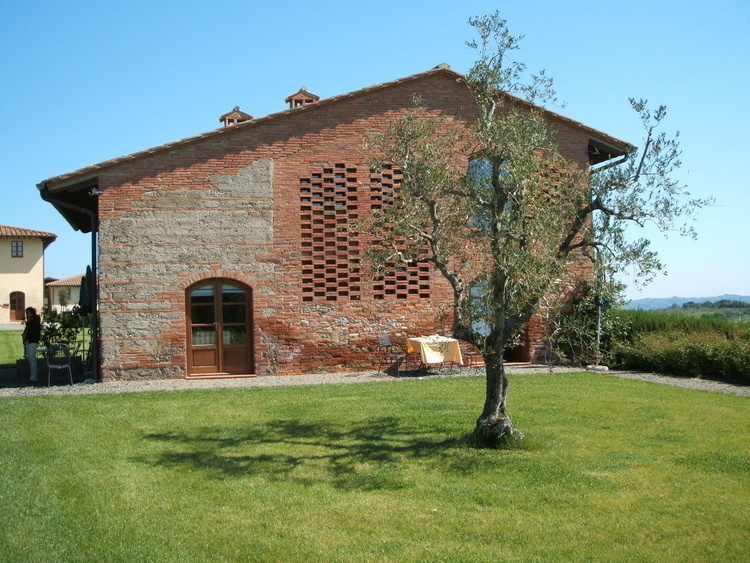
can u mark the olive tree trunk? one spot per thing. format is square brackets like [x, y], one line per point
[494, 428]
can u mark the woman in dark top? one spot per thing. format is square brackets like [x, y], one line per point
[31, 335]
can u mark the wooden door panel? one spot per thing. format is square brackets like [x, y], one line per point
[235, 359]
[17, 306]
[205, 358]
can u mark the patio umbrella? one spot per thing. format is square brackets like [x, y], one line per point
[84, 299]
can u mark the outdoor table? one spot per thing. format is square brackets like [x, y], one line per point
[42, 352]
[435, 349]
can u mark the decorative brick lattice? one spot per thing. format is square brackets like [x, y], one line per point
[330, 199]
[402, 281]
[383, 186]
[330, 252]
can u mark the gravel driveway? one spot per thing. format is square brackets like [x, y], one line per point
[13, 388]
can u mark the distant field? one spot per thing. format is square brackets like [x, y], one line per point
[657, 303]
[731, 310]
[731, 314]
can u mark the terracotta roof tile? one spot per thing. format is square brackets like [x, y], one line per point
[72, 281]
[8, 231]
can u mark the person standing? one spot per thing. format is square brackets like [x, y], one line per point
[31, 334]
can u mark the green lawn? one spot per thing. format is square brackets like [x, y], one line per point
[614, 470]
[11, 346]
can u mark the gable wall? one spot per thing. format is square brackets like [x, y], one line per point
[230, 206]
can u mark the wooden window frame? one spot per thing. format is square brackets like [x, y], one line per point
[16, 249]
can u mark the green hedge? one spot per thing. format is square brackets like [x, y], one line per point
[708, 352]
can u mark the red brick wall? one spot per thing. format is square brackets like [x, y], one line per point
[229, 207]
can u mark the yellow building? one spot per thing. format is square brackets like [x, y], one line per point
[21, 271]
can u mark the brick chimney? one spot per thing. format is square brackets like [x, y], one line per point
[234, 117]
[301, 98]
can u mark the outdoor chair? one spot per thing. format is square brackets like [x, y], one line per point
[58, 359]
[389, 353]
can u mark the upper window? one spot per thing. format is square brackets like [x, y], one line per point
[483, 171]
[480, 171]
[16, 249]
[479, 310]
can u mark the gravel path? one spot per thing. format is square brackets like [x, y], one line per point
[12, 388]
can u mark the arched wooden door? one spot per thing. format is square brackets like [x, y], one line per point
[17, 306]
[220, 332]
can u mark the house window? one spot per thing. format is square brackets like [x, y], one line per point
[479, 311]
[482, 171]
[16, 249]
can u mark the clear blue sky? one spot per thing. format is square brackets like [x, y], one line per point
[85, 81]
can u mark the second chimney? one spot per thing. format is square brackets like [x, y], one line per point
[301, 98]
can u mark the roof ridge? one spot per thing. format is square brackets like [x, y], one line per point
[68, 281]
[10, 231]
[443, 68]
[92, 168]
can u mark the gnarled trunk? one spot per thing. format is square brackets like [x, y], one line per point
[494, 428]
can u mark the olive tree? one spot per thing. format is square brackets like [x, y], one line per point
[504, 229]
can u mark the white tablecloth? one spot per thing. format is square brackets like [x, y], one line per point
[435, 349]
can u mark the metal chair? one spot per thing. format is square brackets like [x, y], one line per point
[58, 359]
[389, 353]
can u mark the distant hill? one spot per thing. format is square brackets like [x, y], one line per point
[654, 303]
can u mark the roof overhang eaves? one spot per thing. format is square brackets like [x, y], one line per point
[75, 200]
[618, 146]
[72, 281]
[604, 148]
[8, 232]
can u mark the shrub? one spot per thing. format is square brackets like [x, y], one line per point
[710, 353]
[67, 328]
[58, 329]
[575, 326]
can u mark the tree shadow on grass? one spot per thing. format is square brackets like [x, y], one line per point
[368, 456]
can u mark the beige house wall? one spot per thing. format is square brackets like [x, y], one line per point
[25, 274]
[53, 297]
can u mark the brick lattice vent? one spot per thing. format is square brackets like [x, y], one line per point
[331, 200]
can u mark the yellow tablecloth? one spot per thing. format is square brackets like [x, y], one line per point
[435, 349]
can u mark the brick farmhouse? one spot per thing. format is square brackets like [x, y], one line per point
[232, 252]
